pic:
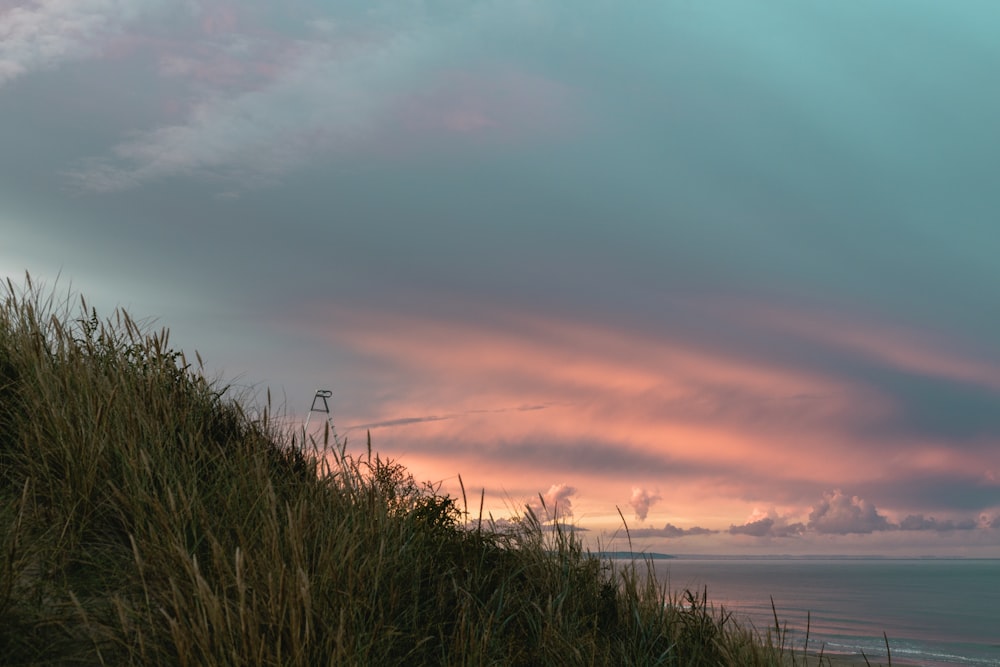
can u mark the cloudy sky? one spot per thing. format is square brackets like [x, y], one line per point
[728, 267]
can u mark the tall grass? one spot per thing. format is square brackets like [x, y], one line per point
[147, 518]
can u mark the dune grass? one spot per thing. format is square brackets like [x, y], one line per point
[147, 518]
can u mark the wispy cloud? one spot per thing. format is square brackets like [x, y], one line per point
[407, 421]
[904, 349]
[657, 394]
[44, 34]
[688, 412]
[318, 102]
[371, 87]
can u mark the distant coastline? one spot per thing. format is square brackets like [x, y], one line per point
[631, 555]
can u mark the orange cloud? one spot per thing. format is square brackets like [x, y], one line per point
[666, 396]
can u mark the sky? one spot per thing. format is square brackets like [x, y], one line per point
[721, 272]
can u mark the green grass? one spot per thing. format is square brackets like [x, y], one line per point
[147, 518]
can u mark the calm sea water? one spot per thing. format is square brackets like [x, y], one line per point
[935, 612]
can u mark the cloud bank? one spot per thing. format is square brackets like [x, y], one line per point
[837, 513]
[670, 531]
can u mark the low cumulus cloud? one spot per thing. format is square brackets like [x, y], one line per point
[920, 522]
[767, 524]
[46, 33]
[840, 514]
[641, 501]
[556, 503]
[767, 528]
[671, 531]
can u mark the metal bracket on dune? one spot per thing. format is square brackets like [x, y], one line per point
[321, 397]
[328, 454]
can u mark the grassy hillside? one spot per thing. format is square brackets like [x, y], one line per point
[146, 518]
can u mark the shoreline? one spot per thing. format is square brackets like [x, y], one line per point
[839, 608]
[812, 659]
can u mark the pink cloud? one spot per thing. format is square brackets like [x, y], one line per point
[670, 531]
[768, 524]
[840, 514]
[554, 504]
[641, 501]
[581, 361]
[665, 397]
[711, 426]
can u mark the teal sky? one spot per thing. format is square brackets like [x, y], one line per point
[728, 266]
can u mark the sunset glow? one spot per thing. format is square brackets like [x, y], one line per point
[727, 270]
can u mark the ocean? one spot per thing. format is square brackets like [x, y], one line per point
[938, 613]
